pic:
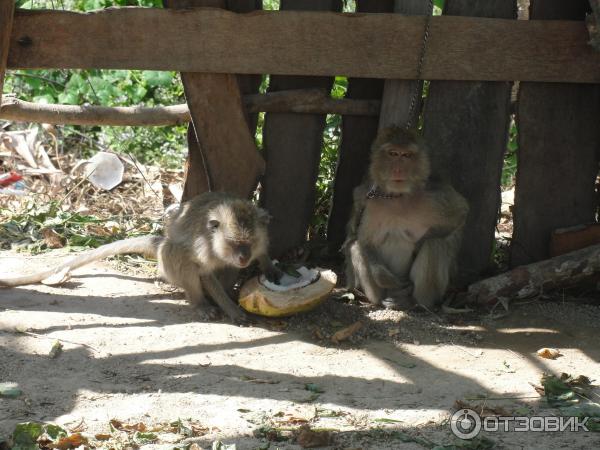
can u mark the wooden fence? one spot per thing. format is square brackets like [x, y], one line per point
[476, 50]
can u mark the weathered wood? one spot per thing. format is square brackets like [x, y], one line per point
[7, 10]
[305, 101]
[311, 101]
[537, 278]
[558, 152]
[249, 84]
[466, 128]
[292, 145]
[222, 154]
[397, 94]
[366, 45]
[357, 135]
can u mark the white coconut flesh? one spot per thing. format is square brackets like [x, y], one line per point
[289, 282]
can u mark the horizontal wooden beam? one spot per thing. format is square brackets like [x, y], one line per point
[304, 43]
[307, 101]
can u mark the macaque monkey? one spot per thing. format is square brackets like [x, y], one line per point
[210, 237]
[405, 230]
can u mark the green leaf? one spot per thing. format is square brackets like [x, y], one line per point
[313, 388]
[386, 420]
[218, 445]
[26, 435]
[145, 438]
[157, 78]
[54, 431]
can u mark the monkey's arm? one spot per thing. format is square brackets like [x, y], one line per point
[145, 245]
[358, 206]
[220, 297]
[271, 272]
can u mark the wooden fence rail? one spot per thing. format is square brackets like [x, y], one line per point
[366, 45]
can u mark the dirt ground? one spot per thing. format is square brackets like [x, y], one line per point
[137, 353]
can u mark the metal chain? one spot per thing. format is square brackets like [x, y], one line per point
[417, 90]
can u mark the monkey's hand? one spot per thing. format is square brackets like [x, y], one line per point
[270, 270]
[384, 278]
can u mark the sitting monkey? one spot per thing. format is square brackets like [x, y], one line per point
[208, 236]
[405, 231]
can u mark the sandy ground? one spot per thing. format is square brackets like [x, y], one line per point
[137, 353]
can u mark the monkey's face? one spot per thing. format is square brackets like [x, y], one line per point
[399, 169]
[239, 233]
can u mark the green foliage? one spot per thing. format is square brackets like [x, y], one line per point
[24, 230]
[510, 158]
[84, 5]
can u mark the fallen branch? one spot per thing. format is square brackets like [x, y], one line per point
[534, 279]
[308, 101]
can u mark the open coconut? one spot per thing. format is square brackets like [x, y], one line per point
[292, 295]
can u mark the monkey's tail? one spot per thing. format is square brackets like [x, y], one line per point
[145, 245]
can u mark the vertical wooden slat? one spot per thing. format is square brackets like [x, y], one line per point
[559, 140]
[358, 132]
[7, 10]
[249, 84]
[397, 94]
[219, 136]
[292, 145]
[466, 128]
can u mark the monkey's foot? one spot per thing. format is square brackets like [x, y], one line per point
[209, 313]
[398, 304]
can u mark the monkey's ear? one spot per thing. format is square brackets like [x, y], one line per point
[263, 216]
[213, 224]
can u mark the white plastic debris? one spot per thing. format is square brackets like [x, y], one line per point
[104, 170]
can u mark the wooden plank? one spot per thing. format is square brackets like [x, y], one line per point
[249, 84]
[292, 145]
[397, 94]
[357, 135]
[558, 153]
[366, 45]
[222, 155]
[7, 10]
[466, 128]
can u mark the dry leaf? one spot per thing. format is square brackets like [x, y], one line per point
[102, 437]
[313, 439]
[549, 353]
[73, 441]
[118, 425]
[345, 333]
[56, 349]
[52, 239]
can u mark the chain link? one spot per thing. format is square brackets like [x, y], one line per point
[417, 90]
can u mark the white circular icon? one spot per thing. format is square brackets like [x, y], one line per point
[465, 424]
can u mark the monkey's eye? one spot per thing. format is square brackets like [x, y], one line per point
[407, 155]
[213, 224]
[393, 153]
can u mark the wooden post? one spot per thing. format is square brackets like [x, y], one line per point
[293, 149]
[7, 11]
[397, 94]
[357, 135]
[222, 153]
[559, 140]
[466, 128]
[249, 84]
